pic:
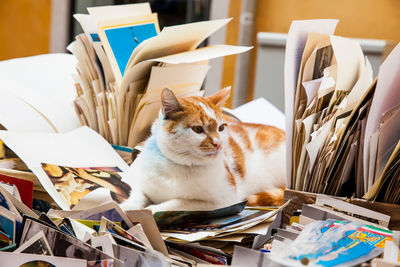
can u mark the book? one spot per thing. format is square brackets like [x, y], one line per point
[124, 62]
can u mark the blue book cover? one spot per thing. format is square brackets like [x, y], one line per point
[125, 39]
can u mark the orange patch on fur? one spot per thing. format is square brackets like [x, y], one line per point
[243, 135]
[192, 114]
[231, 178]
[238, 158]
[273, 197]
[269, 137]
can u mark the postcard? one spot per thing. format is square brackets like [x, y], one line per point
[132, 257]
[37, 245]
[110, 210]
[61, 244]
[104, 243]
[75, 183]
[109, 226]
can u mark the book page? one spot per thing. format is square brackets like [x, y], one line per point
[118, 11]
[175, 39]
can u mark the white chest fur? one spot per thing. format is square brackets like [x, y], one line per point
[160, 179]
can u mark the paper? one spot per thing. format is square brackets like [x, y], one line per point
[118, 11]
[295, 43]
[386, 95]
[35, 80]
[94, 151]
[261, 111]
[175, 39]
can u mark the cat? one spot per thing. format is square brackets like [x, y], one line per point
[197, 159]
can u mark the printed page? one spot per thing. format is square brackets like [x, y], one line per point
[79, 153]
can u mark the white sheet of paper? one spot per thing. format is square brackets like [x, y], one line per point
[262, 111]
[204, 53]
[87, 23]
[81, 147]
[295, 43]
[118, 11]
[317, 140]
[40, 78]
[175, 39]
[360, 87]
[386, 96]
[17, 115]
[350, 61]
[311, 88]
[81, 230]
[388, 137]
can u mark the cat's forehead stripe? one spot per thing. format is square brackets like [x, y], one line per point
[208, 111]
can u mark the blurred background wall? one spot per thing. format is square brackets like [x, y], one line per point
[31, 27]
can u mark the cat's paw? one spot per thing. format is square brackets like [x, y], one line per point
[132, 205]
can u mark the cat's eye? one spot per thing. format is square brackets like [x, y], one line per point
[197, 129]
[221, 127]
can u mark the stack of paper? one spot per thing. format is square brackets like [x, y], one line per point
[341, 125]
[105, 235]
[124, 62]
[101, 236]
[211, 235]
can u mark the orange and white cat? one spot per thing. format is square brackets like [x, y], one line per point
[196, 159]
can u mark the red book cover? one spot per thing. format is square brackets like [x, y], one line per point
[25, 188]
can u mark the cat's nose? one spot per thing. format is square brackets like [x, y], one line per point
[216, 144]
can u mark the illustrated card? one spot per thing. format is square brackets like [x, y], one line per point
[37, 245]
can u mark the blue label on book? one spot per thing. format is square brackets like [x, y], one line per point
[95, 37]
[124, 40]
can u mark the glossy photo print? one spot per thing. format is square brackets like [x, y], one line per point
[75, 183]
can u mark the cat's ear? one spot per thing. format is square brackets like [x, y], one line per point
[170, 103]
[220, 97]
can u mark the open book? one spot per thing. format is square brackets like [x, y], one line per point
[124, 62]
